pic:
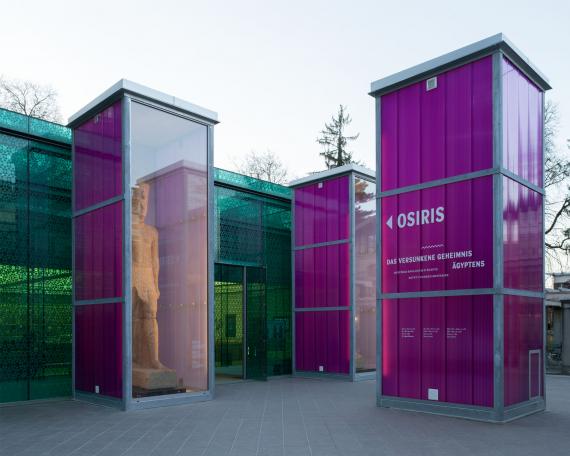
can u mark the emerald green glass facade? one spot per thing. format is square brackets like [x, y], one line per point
[253, 233]
[253, 238]
[35, 258]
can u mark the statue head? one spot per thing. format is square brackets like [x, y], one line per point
[140, 201]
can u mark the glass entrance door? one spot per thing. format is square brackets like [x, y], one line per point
[228, 321]
[256, 326]
[240, 323]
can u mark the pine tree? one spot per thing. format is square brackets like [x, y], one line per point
[335, 142]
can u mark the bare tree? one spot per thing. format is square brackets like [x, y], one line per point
[335, 142]
[29, 98]
[557, 200]
[265, 166]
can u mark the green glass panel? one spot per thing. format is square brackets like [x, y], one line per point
[35, 270]
[21, 123]
[50, 130]
[14, 335]
[13, 121]
[256, 343]
[250, 183]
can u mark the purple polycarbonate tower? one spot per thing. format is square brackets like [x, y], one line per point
[142, 249]
[461, 234]
[334, 270]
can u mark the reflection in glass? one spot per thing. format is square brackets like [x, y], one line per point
[169, 253]
[365, 275]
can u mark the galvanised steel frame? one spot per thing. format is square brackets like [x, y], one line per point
[498, 47]
[129, 93]
[354, 172]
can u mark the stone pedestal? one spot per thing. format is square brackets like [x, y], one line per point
[154, 379]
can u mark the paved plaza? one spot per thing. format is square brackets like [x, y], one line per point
[286, 416]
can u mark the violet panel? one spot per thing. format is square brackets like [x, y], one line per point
[433, 347]
[330, 189]
[432, 136]
[299, 216]
[299, 279]
[447, 131]
[308, 220]
[320, 213]
[458, 112]
[323, 339]
[523, 237]
[482, 350]
[535, 373]
[309, 277]
[409, 161]
[332, 269]
[344, 284]
[390, 347]
[459, 350]
[438, 238]
[522, 125]
[409, 348]
[331, 341]
[344, 341]
[98, 349]
[322, 276]
[97, 161]
[389, 141]
[343, 208]
[523, 329]
[299, 341]
[320, 280]
[482, 114]
[454, 354]
[431, 239]
[98, 253]
[304, 341]
[84, 380]
[460, 230]
[409, 242]
[389, 246]
[481, 220]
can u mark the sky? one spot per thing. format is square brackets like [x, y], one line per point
[274, 72]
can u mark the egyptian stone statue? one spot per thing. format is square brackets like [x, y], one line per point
[148, 371]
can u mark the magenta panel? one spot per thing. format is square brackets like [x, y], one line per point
[522, 124]
[522, 346]
[522, 237]
[98, 253]
[97, 163]
[323, 339]
[439, 238]
[444, 132]
[322, 211]
[322, 276]
[445, 344]
[98, 349]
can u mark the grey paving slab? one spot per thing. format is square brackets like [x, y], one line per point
[284, 417]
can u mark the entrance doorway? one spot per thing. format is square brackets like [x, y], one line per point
[240, 331]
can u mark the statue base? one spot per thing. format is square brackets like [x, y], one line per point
[154, 379]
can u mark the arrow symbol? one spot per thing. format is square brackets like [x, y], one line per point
[389, 222]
